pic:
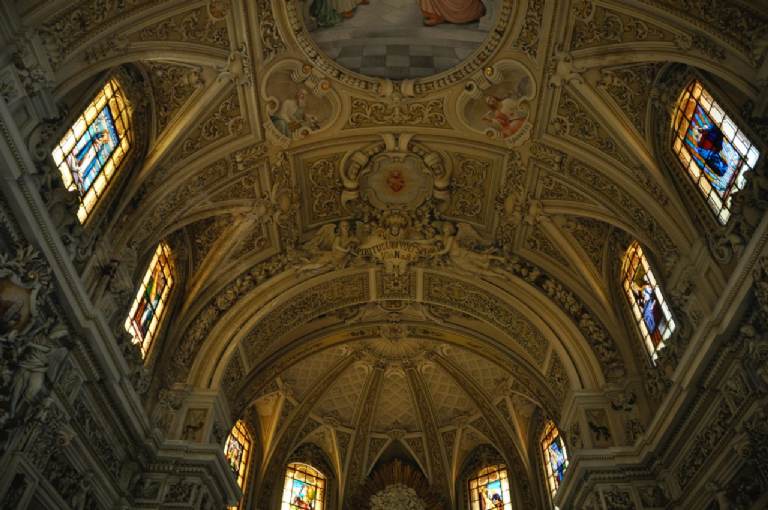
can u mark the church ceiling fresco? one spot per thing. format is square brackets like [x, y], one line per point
[377, 191]
[398, 39]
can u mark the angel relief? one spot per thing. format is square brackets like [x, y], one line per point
[456, 243]
[399, 244]
[332, 246]
[399, 188]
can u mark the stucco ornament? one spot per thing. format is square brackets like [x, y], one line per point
[397, 497]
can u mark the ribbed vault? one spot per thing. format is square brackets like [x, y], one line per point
[397, 338]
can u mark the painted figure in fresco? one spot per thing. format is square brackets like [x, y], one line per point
[436, 12]
[328, 13]
[347, 7]
[709, 145]
[292, 117]
[507, 115]
[324, 13]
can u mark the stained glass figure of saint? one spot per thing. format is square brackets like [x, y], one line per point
[712, 148]
[648, 305]
[93, 148]
[555, 456]
[150, 301]
[304, 488]
[489, 490]
[237, 451]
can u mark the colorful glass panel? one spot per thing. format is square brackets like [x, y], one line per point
[555, 457]
[93, 148]
[237, 451]
[712, 148]
[151, 299]
[648, 305]
[304, 488]
[489, 490]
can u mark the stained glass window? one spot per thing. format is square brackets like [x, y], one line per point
[237, 451]
[712, 148]
[151, 299]
[489, 490]
[555, 456]
[93, 148]
[304, 488]
[648, 305]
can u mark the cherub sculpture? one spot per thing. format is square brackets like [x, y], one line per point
[467, 260]
[335, 246]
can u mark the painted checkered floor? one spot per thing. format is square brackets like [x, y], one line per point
[387, 38]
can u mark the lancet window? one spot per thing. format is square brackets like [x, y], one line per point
[151, 299]
[713, 149]
[489, 489]
[646, 301]
[91, 151]
[304, 488]
[555, 456]
[237, 451]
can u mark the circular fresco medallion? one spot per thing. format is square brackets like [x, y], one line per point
[399, 39]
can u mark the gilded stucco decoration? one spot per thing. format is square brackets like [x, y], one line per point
[381, 260]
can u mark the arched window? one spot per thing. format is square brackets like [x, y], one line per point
[151, 299]
[648, 305]
[93, 148]
[304, 488]
[712, 148]
[238, 452]
[555, 456]
[489, 490]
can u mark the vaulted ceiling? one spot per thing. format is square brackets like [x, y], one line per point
[442, 352]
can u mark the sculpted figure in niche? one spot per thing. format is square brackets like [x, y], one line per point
[436, 12]
[465, 259]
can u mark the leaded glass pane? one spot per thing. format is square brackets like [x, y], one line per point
[151, 299]
[304, 488]
[237, 451]
[555, 457]
[94, 147]
[712, 148]
[646, 300]
[489, 490]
